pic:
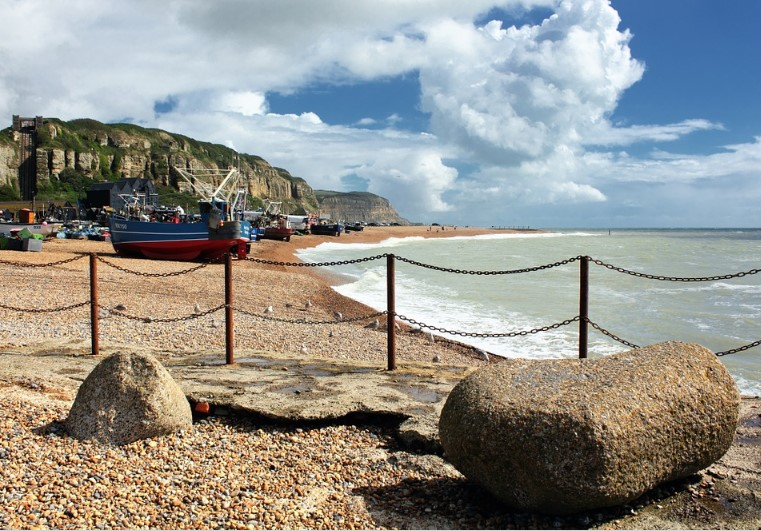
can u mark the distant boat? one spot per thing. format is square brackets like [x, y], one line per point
[323, 226]
[356, 227]
[44, 228]
[277, 233]
[270, 224]
[326, 229]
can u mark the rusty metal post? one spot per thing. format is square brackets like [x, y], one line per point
[229, 354]
[94, 304]
[391, 311]
[583, 305]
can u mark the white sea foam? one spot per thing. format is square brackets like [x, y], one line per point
[721, 315]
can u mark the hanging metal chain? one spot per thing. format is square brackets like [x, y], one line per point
[304, 321]
[477, 272]
[611, 335]
[60, 262]
[45, 310]
[483, 335]
[674, 279]
[190, 317]
[316, 264]
[140, 273]
[739, 349]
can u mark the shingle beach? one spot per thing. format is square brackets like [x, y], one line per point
[235, 472]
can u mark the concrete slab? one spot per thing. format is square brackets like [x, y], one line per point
[278, 387]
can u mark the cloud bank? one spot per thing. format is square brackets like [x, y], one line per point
[517, 95]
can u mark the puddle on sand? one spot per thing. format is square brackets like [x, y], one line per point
[422, 394]
[316, 370]
[260, 362]
[753, 422]
[212, 362]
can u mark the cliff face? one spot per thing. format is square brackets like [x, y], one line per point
[9, 163]
[357, 206]
[110, 152]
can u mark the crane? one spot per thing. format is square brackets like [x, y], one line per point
[229, 190]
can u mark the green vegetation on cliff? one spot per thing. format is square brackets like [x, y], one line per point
[73, 155]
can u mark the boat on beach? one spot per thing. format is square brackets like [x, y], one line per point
[323, 226]
[326, 229]
[355, 227]
[10, 228]
[278, 233]
[269, 223]
[175, 236]
[179, 241]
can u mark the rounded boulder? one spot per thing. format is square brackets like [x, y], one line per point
[128, 397]
[568, 435]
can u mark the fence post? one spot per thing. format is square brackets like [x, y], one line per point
[583, 305]
[229, 354]
[391, 312]
[94, 304]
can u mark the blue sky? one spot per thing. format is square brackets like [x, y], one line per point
[546, 113]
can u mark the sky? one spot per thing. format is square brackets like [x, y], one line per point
[539, 113]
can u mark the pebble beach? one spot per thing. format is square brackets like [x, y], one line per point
[170, 306]
[228, 472]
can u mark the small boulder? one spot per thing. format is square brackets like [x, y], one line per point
[128, 397]
[568, 435]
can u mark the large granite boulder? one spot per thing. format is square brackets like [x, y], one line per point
[128, 397]
[563, 436]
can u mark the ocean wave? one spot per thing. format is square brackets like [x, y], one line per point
[721, 314]
[330, 247]
[751, 289]
[748, 387]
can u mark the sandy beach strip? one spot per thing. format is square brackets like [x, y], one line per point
[170, 311]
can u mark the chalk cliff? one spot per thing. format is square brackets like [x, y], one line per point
[107, 152]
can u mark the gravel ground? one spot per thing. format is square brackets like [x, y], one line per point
[232, 472]
[240, 473]
[225, 473]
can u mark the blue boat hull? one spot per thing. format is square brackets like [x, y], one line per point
[178, 241]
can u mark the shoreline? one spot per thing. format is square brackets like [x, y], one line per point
[287, 251]
[275, 250]
[151, 302]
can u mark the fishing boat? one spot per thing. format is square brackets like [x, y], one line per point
[208, 239]
[323, 226]
[45, 229]
[270, 223]
[326, 229]
[278, 233]
[137, 231]
[178, 241]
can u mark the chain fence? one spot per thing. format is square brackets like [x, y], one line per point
[155, 275]
[390, 312]
[487, 272]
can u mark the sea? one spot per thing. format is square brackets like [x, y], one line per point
[458, 286]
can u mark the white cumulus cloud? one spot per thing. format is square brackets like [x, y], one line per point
[517, 114]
